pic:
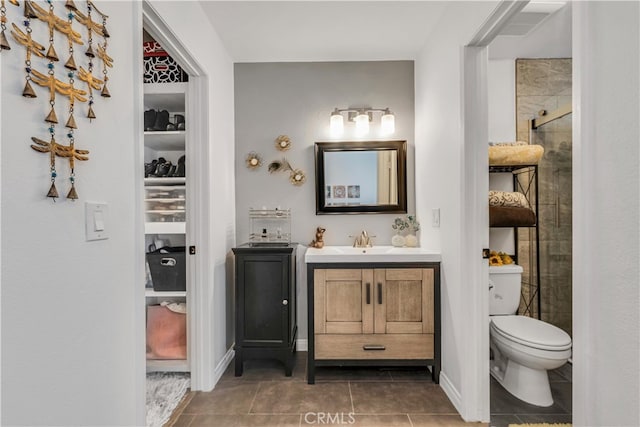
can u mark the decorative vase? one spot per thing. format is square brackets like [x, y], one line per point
[411, 240]
[397, 241]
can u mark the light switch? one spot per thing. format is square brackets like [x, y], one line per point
[96, 221]
[435, 217]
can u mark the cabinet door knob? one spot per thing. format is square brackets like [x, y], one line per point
[285, 302]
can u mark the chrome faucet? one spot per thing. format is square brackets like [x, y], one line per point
[363, 240]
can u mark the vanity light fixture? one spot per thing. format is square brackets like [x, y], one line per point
[361, 117]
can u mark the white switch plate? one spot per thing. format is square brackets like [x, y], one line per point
[96, 218]
[435, 217]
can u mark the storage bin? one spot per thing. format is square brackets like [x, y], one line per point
[168, 269]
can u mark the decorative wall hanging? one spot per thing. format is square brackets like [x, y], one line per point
[4, 43]
[59, 85]
[296, 176]
[253, 160]
[283, 143]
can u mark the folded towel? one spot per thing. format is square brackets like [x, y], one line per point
[508, 198]
[508, 155]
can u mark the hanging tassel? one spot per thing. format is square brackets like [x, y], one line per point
[53, 191]
[71, 63]
[105, 92]
[51, 117]
[28, 91]
[51, 53]
[4, 43]
[90, 52]
[73, 195]
[91, 114]
[71, 123]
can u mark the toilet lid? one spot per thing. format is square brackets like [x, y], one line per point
[532, 332]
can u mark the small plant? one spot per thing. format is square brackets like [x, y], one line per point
[409, 223]
[399, 224]
[413, 223]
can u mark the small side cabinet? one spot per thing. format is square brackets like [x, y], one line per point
[265, 304]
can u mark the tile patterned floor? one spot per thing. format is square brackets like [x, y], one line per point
[384, 397]
[264, 397]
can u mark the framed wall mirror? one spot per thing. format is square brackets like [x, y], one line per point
[361, 177]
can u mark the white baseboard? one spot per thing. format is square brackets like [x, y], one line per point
[222, 366]
[452, 393]
[302, 345]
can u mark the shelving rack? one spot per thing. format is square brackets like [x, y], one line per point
[166, 222]
[525, 181]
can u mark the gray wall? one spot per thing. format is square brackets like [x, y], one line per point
[296, 99]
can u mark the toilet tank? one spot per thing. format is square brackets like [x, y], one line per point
[504, 289]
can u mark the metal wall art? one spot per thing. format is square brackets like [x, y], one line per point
[253, 160]
[52, 81]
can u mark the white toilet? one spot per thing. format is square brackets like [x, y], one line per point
[523, 348]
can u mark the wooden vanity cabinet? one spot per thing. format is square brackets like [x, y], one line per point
[374, 315]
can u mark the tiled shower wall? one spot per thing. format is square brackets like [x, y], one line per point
[545, 84]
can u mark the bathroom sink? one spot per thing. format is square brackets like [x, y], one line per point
[333, 254]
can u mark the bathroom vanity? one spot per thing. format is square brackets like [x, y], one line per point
[373, 307]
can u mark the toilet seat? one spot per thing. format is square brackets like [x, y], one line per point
[531, 332]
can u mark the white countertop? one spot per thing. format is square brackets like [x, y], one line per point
[335, 254]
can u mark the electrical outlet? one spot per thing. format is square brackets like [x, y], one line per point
[435, 217]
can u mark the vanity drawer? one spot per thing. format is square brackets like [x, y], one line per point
[378, 346]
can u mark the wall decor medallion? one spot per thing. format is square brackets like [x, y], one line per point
[40, 67]
[253, 160]
[296, 176]
[283, 143]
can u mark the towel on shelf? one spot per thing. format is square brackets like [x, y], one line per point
[508, 198]
[514, 155]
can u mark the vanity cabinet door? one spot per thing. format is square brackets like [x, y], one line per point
[404, 301]
[343, 301]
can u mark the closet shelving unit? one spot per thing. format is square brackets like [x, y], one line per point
[165, 197]
[525, 181]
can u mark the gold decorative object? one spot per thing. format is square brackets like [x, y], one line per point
[92, 83]
[55, 84]
[4, 43]
[297, 177]
[54, 149]
[319, 240]
[253, 160]
[283, 143]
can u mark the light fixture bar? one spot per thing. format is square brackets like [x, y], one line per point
[361, 117]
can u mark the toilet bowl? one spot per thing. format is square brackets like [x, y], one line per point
[523, 348]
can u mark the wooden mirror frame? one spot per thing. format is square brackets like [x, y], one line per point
[323, 147]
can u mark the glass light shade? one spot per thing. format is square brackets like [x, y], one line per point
[388, 123]
[362, 123]
[336, 124]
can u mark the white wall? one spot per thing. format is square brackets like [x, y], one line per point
[297, 99]
[550, 39]
[439, 141]
[190, 25]
[68, 308]
[606, 194]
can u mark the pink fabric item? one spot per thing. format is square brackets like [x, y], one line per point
[166, 333]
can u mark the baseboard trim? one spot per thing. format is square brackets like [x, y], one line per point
[302, 345]
[222, 366]
[452, 393]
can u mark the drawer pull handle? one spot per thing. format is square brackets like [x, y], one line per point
[379, 293]
[368, 293]
[375, 347]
